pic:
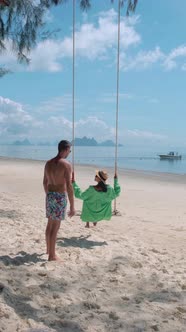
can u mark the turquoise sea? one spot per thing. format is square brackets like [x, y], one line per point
[102, 157]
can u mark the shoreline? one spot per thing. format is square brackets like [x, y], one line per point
[130, 173]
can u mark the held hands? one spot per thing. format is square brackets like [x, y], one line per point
[73, 178]
[71, 213]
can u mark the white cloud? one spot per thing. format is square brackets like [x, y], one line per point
[98, 41]
[93, 127]
[135, 133]
[93, 41]
[142, 60]
[173, 58]
[46, 56]
[13, 119]
[148, 99]
[8, 58]
[184, 67]
[177, 52]
[169, 64]
[57, 105]
[111, 97]
[56, 127]
[153, 100]
[145, 59]
[16, 123]
[53, 128]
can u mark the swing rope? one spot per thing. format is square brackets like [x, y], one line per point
[73, 86]
[115, 212]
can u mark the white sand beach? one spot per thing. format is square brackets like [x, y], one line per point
[126, 274]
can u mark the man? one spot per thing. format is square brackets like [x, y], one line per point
[57, 185]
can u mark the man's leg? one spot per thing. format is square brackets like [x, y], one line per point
[52, 241]
[87, 225]
[47, 234]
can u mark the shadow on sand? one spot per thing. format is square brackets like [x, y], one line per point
[10, 214]
[80, 242]
[21, 258]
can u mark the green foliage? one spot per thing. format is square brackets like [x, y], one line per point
[21, 22]
[131, 5]
[4, 71]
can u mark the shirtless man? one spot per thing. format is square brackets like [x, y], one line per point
[57, 185]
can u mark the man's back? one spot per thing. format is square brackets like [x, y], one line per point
[57, 172]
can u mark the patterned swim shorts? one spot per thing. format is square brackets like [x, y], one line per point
[56, 204]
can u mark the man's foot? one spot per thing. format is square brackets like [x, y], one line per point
[54, 258]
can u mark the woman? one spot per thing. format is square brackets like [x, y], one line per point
[97, 199]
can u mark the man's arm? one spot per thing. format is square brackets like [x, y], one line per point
[70, 191]
[45, 181]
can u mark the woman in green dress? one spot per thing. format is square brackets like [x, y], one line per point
[97, 200]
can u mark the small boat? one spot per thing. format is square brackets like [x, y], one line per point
[171, 156]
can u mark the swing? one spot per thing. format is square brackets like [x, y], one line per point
[115, 211]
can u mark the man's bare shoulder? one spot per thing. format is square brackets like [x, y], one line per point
[64, 162]
[49, 162]
[60, 162]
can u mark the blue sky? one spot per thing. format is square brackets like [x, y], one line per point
[36, 100]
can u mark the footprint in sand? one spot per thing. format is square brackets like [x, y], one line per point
[91, 305]
[183, 286]
[136, 265]
[181, 229]
[113, 315]
[39, 330]
[182, 310]
[125, 298]
[158, 252]
[42, 274]
[142, 252]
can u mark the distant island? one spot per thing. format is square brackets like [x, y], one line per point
[24, 142]
[84, 141]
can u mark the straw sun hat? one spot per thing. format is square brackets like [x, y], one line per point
[102, 175]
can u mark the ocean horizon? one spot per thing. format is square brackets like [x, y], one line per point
[102, 157]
